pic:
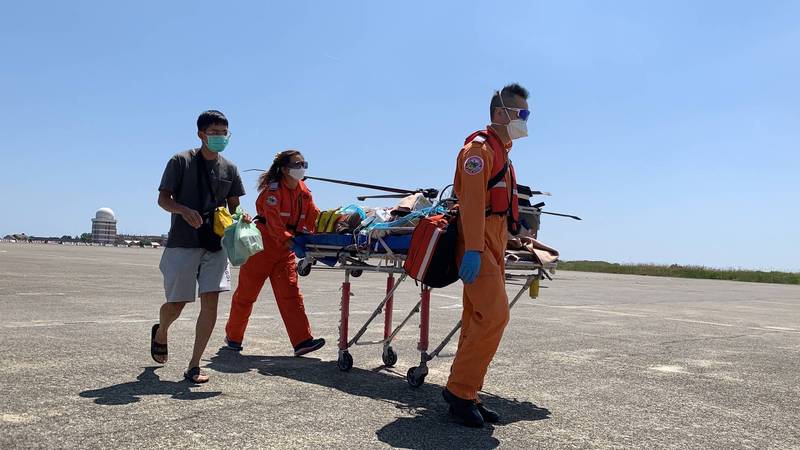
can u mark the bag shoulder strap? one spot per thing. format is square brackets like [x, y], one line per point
[201, 167]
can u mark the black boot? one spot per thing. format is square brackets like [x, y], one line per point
[463, 409]
[233, 345]
[308, 346]
[488, 415]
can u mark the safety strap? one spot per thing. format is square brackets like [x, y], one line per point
[499, 177]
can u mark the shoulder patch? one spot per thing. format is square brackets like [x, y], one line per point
[274, 186]
[272, 200]
[473, 165]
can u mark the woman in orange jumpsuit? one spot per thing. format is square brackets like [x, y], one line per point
[285, 211]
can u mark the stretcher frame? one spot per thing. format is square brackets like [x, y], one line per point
[354, 261]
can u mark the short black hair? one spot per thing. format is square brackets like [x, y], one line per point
[211, 117]
[507, 92]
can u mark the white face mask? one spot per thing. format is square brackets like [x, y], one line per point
[297, 174]
[517, 128]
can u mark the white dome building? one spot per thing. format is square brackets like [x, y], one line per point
[104, 226]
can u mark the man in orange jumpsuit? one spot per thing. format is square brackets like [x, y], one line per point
[486, 190]
[286, 211]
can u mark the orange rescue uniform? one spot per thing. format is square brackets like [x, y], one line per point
[287, 212]
[485, 312]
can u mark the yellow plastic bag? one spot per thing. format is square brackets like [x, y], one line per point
[222, 219]
[533, 291]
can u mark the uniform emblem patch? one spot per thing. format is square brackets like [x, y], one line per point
[272, 200]
[473, 165]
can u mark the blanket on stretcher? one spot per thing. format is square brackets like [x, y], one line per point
[520, 248]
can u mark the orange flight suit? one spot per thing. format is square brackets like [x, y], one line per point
[287, 212]
[485, 312]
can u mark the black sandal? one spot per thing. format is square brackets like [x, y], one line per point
[190, 374]
[157, 349]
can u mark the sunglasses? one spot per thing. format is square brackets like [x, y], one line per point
[522, 113]
[298, 165]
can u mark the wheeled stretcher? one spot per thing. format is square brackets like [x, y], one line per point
[384, 252]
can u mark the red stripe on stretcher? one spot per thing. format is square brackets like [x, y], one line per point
[426, 260]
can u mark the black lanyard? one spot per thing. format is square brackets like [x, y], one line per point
[201, 167]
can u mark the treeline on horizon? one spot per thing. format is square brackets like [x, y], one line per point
[679, 271]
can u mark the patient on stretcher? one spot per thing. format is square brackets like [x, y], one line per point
[524, 247]
[372, 223]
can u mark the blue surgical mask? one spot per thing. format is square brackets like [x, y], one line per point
[217, 143]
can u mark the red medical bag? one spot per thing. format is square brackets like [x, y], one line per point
[431, 257]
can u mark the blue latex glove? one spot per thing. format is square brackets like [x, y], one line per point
[470, 266]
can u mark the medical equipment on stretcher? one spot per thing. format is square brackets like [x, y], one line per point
[383, 247]
[384, 251]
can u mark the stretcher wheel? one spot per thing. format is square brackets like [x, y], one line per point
[356, 273]
[304, 269]
[414, 378]
[345, 362]
[389, 357]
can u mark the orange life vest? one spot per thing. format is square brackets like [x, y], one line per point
[503, 199]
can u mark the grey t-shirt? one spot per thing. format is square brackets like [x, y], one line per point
[181, 178]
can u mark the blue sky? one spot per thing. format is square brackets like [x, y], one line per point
[672, 128]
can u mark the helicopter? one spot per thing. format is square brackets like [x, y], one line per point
[524, 192]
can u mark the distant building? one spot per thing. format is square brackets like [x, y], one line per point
[104, 226]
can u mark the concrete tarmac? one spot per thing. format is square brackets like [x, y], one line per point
[597, 361]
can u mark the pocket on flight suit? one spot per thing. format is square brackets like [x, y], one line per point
[288, 274]
[494, 246]
[291, 274]
[489, 265]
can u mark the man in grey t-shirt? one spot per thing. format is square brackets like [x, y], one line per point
[196, 182]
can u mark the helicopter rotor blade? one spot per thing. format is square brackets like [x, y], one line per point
[363, 185]
[350, 183]
[561, 215]
[361, 198]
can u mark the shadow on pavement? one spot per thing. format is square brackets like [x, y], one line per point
[430, 426]
[148, 383]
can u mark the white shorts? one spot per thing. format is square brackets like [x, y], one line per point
[186, 268]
